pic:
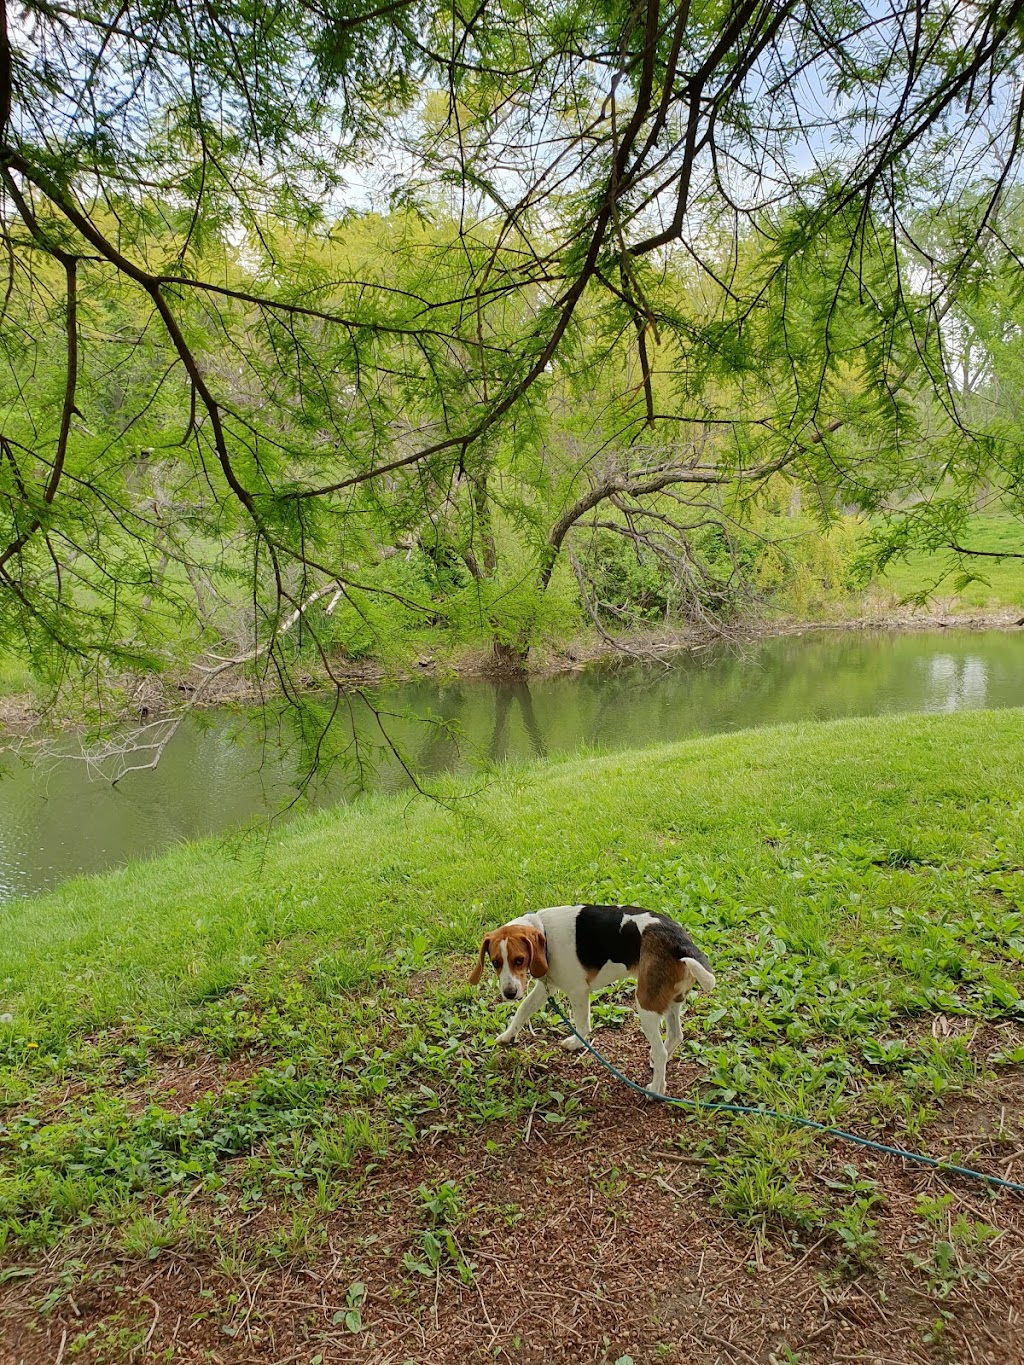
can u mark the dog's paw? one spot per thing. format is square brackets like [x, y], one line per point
[571, 1044]
[505, 1039]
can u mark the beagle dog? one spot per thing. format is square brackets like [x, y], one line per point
[578, 948]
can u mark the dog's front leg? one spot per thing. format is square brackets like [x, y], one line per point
[580, 1007]
[674, 1016]
[537, 996]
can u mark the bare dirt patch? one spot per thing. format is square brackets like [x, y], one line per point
[586, 1246]
[178, 1082]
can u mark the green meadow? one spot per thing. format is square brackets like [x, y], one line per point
[213, 1055]
[994, 582]
[839, 838]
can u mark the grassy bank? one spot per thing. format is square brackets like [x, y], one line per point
[999, 582]
[245, 1088]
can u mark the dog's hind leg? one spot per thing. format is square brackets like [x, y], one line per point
[650, 1022]
[674, 1032]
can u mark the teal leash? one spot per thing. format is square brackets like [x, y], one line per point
[719, 1106]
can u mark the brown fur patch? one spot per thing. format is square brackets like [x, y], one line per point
[688, 985]
[538, 952]
[659, 974]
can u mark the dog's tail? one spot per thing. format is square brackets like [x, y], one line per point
[699, 968]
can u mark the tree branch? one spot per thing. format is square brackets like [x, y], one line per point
[68, 408]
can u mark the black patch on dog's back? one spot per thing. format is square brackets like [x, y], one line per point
[606, 933]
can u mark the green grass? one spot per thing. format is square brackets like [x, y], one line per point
[849, 882]
[15, 677]
[999, 582]
[806, 826]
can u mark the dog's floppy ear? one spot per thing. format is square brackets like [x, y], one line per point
[477, 971]
[538, 952]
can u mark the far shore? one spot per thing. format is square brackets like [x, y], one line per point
[153, 697]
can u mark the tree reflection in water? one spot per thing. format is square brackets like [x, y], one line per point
[506, 694]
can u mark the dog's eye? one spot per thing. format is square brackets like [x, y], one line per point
[518, 962]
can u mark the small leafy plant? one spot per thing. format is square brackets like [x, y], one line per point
[950, 1245]
[352, 1314]
[436, 1248]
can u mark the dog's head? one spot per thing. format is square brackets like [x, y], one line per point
[517, 952]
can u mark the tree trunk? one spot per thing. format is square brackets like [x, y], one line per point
[509, 657]
[482, 507]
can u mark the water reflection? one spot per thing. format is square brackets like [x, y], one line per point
[222, 769]
[507, 695]
[958, 683]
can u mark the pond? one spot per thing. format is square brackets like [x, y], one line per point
[224, 768]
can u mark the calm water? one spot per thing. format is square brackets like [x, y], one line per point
[223, 769]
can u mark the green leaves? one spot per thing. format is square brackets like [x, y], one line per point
[426, 275]
[352, 1316]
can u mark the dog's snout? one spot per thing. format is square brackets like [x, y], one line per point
[510, 993]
